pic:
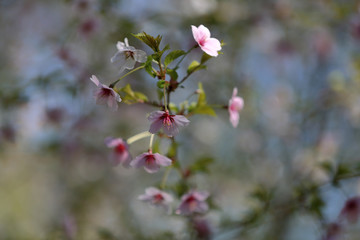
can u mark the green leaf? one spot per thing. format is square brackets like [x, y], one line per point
[172, 150]
[148, 66]
[149, 40]
[201, 106]
[194, 66]
[316, 203]
[161, 84]
[205, 110]
[131, 96]
[202, 96]
[173, 108]
[262, 194]
[327, 167]
[181, 188]
[204, 58]
[342, 169]
[172, 73]
[201, 165]
[172, 56]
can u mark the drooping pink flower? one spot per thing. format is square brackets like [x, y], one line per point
[202, 36]
[351, 210]
[121, 151]
[127, 56]
[202, 228]
[105, 94]
[157, 198]
[193, 202]
[169, 123]
[151, 161]
[236, 104]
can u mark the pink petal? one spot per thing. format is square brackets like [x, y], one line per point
[235, 92]
[151, 191]
[167, 197]
[181, 120]
[202, 207]
[155, 115]
[100, 97]
[155, 126]
[152, 167]
[204, 31]
[234, 118]
[95, 80]
[123, 158]
[113, 142]
[200, 34]
[112, 103]
[171, 130]
[237, 103]
[162, 160]
[211, 47]
[201, 196]
[145, 197]
[139, 161]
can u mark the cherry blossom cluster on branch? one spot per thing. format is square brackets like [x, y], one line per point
[165, 123]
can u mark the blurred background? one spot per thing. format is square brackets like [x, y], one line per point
[295, 63]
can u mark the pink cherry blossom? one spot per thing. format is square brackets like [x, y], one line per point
[351, 210]
[151, 161]
[193, 202]
[120, 151]
[169, 123]
[105, 94]
[202, 36]
[236, 104]
[157, 198]
[127, 56]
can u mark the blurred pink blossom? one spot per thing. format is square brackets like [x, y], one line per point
[157, 198]
[351, 210]
[202, 36]
[121, 151]
[202, 228]
[151, 161]
[169, 123]
[127, 56]
[193, 201]
[236, 104]
[105, 94]
[88, 26]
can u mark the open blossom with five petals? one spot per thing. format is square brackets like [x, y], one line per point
[105, 94]
[236, 104]
[193, 202]
[151, 161]
[202, 36]
[120, 151]
[157, 198]
[127, 56]
[351, 210]
[169, 123]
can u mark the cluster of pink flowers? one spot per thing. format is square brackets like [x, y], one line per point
[121, 155]
[192, 202]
